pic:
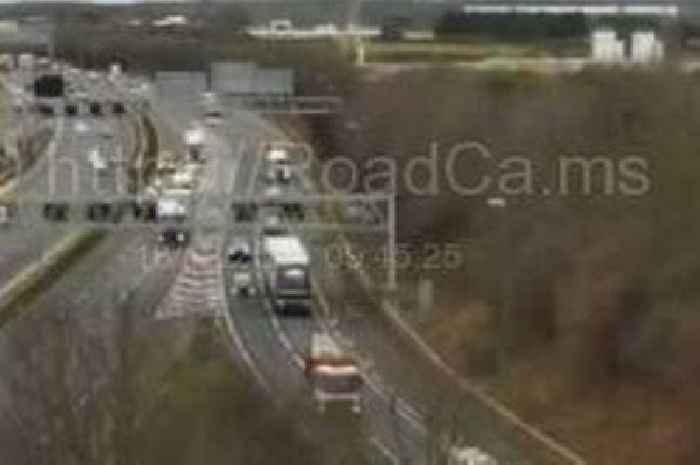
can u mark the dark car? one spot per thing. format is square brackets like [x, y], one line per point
[174, 237]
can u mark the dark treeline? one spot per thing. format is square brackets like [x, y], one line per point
[512, 26]
[532, 27]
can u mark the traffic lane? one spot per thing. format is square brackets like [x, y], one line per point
[276, 359]
[90, 292]
[72, 171]
[274, 337]
[394, 368]
[26, 241]
[398, 363]
[286, 382]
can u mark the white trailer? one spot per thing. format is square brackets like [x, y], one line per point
[285, 267]
[334, 374]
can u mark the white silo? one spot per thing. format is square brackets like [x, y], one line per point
[605, 47]
[646, 48]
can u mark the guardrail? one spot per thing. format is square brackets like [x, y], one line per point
[538, 447]
[282, 104]
[15, 296]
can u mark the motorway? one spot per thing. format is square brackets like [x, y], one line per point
[404, 391]
[64, 170]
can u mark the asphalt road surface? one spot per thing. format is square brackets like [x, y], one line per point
[64, 171]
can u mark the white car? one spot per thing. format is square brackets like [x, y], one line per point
[97, 160]
[213, 118]
[466, 455]
[243, 283]
[183, 180]
[6, 214]
[279, 166]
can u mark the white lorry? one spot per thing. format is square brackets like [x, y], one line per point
[333, 374]
[285, 267]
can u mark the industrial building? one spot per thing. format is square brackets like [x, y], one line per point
[563, 8]
[644, 48]
[606, 47]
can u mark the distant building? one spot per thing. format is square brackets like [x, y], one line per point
[170, 21]
[563, 8]
[606, 47]
[284, 29]
[646, 48]
[9, 27]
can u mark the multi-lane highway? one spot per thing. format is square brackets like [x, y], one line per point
[65, 170]
[404, 393]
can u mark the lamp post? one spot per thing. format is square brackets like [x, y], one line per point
[503, 307]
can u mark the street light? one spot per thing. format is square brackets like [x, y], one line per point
[504, 305]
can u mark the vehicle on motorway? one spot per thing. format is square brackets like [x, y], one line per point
[277, 204]
[194, 142]
[333, 374]
[243, 283]
[98, 161]
[172, 211]
[469, 455]
[239, 251]
[166, 163]
[213, 117]
[115, 71]
[7, 213]
[183, 179]
[244, 212]
[174, 237]
[272, 221]
[284, 262]
[278, 166]
[45, 107]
